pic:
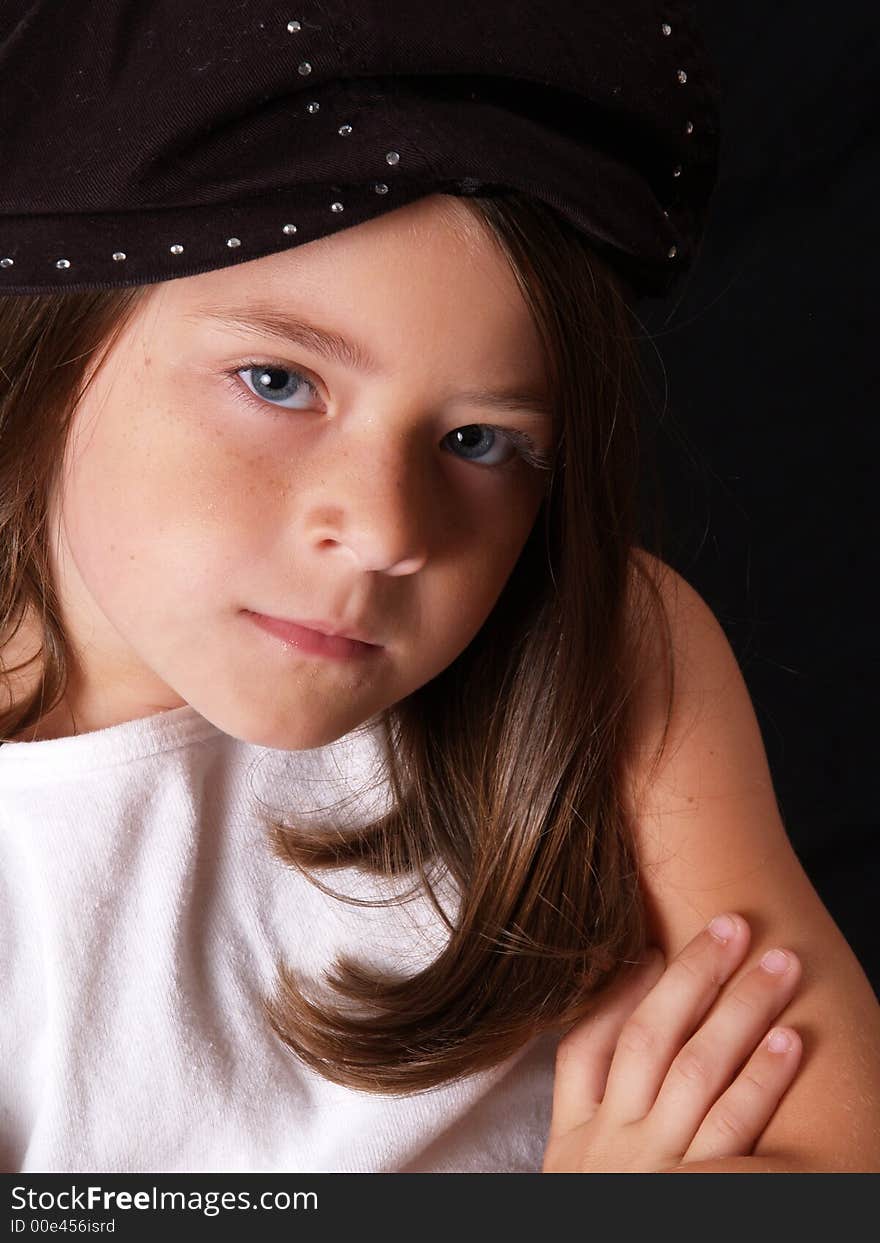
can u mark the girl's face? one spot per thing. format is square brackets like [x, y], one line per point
[340, 493]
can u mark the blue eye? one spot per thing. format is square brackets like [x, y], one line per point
[475, 435]
[269, 382]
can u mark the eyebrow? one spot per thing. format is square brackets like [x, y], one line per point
[269, 321]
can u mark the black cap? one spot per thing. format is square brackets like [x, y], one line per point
[145, 140]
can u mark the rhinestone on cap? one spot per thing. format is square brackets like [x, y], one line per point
[392, 158]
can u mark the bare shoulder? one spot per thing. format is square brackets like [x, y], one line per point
[682, 659]
[695, 745]
[710, 837]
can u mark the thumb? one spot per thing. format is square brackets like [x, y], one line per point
[584, 1054]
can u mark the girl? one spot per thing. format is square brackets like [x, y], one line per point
[355, 753]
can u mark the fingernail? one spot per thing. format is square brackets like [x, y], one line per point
[779, 1040]
[722, 927]
[775, 960]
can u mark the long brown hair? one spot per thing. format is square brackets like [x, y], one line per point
[507, 769]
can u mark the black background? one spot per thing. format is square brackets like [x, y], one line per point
[768, 442]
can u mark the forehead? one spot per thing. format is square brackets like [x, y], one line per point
[428, 277]
[437, 229]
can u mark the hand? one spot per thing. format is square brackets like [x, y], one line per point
[675, 1091]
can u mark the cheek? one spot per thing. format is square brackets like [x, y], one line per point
[154, 510]
[457, 602]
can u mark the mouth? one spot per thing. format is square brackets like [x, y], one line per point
[310, 641]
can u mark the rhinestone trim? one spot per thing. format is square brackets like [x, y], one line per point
[392, 158]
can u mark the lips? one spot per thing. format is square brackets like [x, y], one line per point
[308, 640]
[333, 630]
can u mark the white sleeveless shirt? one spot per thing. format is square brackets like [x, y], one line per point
[142, 918]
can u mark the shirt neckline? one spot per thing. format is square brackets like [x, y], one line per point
[115, 744]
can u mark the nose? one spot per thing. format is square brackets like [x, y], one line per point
[378, 505]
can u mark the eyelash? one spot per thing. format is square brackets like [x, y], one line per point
[523, 444]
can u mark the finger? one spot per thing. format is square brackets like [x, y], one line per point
[736, 1121]
[584, 1053]
[709, 1061]
[659, 1026]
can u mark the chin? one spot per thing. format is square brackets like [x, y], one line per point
[288, 735]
